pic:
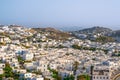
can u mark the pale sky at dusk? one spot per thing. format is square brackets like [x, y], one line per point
[60, 12]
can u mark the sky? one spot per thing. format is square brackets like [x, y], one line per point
[60, 13]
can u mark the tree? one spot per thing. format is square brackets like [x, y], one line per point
[55, 74]
[21, 61]
[70, 77]
[8, 71]
[76, 47]
[37, 72]
[75, 66]
[1, 76]
[83, 77]
[46, 79]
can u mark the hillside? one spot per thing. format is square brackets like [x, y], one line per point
[99, 34]
[94, 30]
[115, 33]
[53, 33]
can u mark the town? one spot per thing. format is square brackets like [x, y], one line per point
[29, 54]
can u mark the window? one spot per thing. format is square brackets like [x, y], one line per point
[97, 77]
[106, 77]
[101, 72]
[103, 77]
[3, 66]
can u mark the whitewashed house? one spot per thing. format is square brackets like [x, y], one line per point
[28, 56]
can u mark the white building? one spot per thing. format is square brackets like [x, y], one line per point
[1, 71]
[38, 78]
[28, 56]
[101, 72]
[28, 75]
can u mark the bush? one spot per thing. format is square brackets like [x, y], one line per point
[83, 77]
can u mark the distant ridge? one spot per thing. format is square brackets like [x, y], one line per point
[103, 31]
[94, 30]
[69, 28]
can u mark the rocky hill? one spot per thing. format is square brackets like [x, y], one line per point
[95, 30]
[99, 34]
[53, 33]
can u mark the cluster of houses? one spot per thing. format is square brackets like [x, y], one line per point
[33, 62]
